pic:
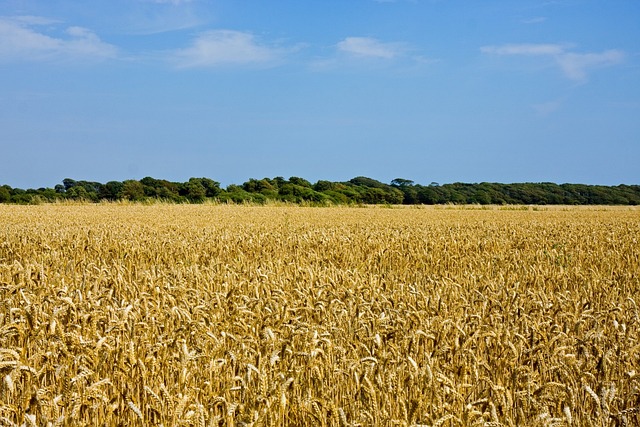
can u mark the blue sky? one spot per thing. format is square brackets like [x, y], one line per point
[427, 90]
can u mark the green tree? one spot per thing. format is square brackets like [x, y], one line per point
[401, 182]
[5, 194]
[68, 183]
[78, 192]
[299, 181]
[212, 188]
[323, 186]
[112, 190]
[257, 186]
[363, 181]
[196, 192]
[132, 190]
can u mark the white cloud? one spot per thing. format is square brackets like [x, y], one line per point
[368, 51]
[524, 49]
[547, 108]
[369, 47]
[21, 42]
[34, 20]
[574, 65]
[161, 16]
[226, 47]
[164, 21]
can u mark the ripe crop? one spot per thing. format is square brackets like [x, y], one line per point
[208, 315]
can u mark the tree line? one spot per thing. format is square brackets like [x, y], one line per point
[359, 190]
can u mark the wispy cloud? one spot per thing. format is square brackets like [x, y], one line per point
[575, 66]
[21, 41]
[370, 47]
[32, 20]
[546, 108]
[164, 21]
[161, 16]
[355, 52]
[524, 49]
[227, 47]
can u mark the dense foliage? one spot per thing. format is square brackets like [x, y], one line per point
[359, 190]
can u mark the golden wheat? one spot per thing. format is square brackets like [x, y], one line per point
[212, 315]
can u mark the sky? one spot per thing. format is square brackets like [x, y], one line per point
[427, 90]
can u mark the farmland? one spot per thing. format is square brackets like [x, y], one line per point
[220, 315]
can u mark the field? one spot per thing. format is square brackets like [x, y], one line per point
[207, 315]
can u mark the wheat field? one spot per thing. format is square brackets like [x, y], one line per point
[216, 315]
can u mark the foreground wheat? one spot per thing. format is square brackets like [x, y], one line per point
[229, 316]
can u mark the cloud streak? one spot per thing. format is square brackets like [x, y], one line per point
[369, 47]
[546, 108]
[524, 49]
[161, 16]
[22, 42]
[354, 52]
[217, 48]
[574, 66]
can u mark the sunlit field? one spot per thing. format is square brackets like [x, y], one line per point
[216, 315]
